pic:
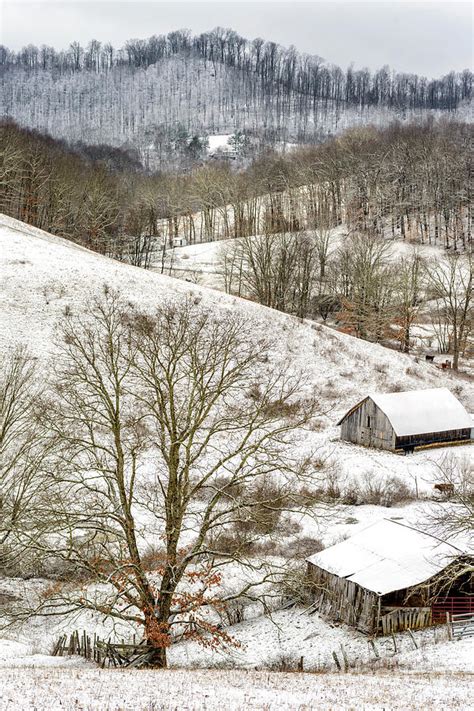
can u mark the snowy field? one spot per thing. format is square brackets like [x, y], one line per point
[75, 686]
[200, 262]
[438, 673]
[196, 263]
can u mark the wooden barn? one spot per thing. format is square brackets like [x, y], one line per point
[390, 577]
[408, 420]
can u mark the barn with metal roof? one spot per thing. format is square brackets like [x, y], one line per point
[405, 421]
[388, 577]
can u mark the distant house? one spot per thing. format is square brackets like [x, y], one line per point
[390, 577]
[179, 241]
[408, 420]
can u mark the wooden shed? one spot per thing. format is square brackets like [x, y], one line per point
[407, 420]
[390, 577]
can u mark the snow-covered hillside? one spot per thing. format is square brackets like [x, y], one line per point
[151, 108]
[41, 275]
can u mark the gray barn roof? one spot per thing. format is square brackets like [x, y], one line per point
[420, 411]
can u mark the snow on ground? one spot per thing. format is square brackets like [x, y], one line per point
[438, 672]
[197, 263]
[42, 275]
[280, 641]
[93, 689]
[219, 142]
[263, 641]
[449, 656]
[17, 655]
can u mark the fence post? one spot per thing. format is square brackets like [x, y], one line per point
[376, 651]
[346, 660]
[449, 625]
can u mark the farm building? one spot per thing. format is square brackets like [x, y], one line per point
[407, 420]
[390, 577]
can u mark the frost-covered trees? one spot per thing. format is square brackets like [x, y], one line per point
[214, 83]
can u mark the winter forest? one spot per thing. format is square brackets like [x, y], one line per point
[155, 95]
[236, 377]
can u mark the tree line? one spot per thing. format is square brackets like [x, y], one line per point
[163, 96]
[270, 67]
[410, 182]
[359, 283]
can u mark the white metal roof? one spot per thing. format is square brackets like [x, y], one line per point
[421, 411]
[387, 556]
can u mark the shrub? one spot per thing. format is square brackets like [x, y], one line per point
[153, 557]
[350, 495]
[231, 541]
[332, 489]
[378, 491]
[283, 663]
[302, 548]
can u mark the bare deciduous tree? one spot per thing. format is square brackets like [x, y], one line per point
[408, 286]
[173, 429]
[21, 453]
[451, 285]
[452, 519]
[363, 278]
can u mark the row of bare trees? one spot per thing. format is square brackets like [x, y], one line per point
[409, 182]
[270, 67]
[161, 448]
[360, 283]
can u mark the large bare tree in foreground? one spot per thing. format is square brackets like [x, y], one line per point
[171, 429]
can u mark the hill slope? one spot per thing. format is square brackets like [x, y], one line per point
[159, 95]
[41, 275]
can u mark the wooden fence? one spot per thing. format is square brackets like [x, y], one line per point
[104, 652]
[405, 618]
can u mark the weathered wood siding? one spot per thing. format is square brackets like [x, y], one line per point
[404, 618]
[344, 601]
[369, 426]
[410, 608]
[366, 424]
[427, 438]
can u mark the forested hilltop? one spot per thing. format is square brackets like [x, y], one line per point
[164, 95]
